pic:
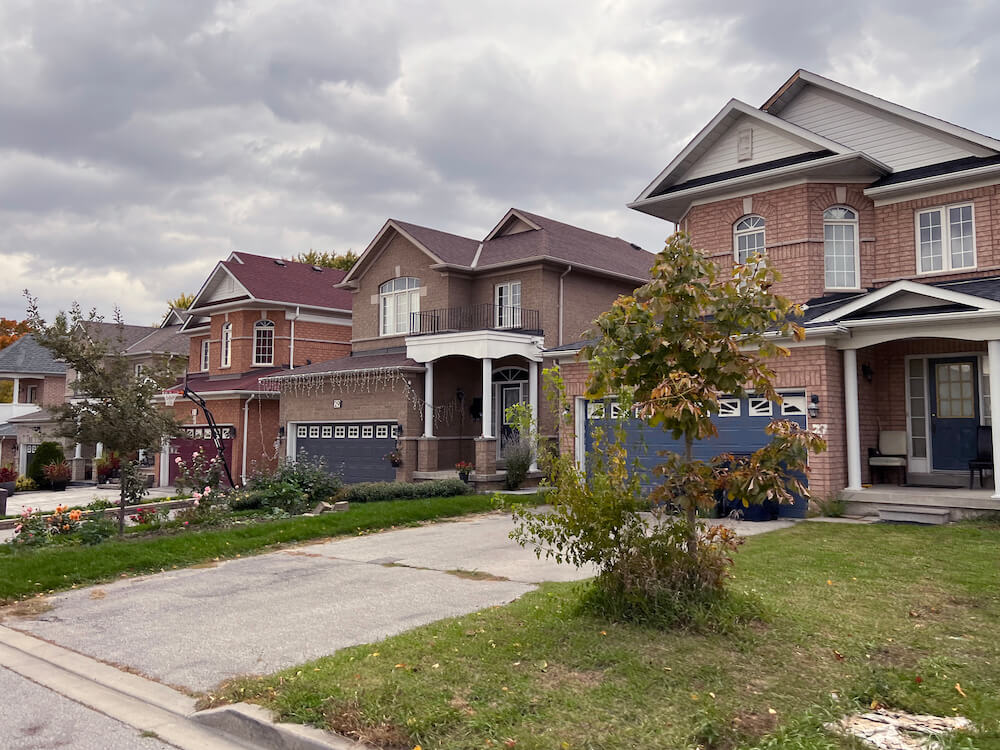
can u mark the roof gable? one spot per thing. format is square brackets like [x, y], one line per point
[904, 295]
[777, 135]
[220, 286]
[513, 222]
[440, 247]
[902, 138]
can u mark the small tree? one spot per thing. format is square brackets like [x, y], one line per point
[113, 405]
[322, 259]
[670, 351]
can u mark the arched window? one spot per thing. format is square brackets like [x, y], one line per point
[227, 344]
[399, 299]
[263, 343]
[748, 237]
[840, 248]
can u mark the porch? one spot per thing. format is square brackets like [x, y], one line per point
[944, 494]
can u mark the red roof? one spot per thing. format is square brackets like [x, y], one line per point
[288, 281]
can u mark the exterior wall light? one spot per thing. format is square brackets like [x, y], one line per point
[813, 407]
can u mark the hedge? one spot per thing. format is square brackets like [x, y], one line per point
[370, 492]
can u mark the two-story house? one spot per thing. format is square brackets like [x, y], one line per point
[884, 223]
[254, 316]
[449, 332]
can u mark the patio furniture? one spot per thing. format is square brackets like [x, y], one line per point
[984, 455]
[891, 453]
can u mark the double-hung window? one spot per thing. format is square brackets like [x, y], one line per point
[840, 248]
[507, 299]
[399, 300]
[748, 238]
[945, 239]
[206, 348]
[263, 343]
[227, 345]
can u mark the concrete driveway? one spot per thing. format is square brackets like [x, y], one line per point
[193, 628]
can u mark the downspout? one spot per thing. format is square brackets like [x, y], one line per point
[561, 276]
[246, 420]
[291, 345]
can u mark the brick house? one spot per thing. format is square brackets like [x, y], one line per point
[448, 332]
[254, 316]
[885, 224]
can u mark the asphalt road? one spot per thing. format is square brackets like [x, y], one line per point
[193, 628]
[34, 718]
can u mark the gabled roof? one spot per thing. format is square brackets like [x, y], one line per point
[166, 340]
[802, 78]
[273, 280]
[29, 357]
[113, 333]
[908, 298]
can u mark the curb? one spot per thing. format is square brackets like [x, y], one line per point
[147, 705]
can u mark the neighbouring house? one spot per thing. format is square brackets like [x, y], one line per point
[41, 382]
[885, 225]
[254, 316]
[448, 333]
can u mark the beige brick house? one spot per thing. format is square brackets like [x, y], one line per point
[885, 224]
[448, 332]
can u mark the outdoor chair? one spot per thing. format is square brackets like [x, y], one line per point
[891, 453]
[984, 455]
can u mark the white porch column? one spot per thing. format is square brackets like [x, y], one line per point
[17, 389]
[429, 400]
[852, 425]
[99, 452]
[487, 398]
[533, 401]
[993, 347]
[78, 451]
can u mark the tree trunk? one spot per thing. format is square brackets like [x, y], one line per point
[691, 512]
[121, 501]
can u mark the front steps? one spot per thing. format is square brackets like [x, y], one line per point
[920, 504]
[914, 514]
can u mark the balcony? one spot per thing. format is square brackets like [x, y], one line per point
[9, 411]
[484, 317]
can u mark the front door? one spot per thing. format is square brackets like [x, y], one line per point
[508, 395]
[954, 411]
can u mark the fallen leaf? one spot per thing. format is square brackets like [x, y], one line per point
[837, 655]
[961, 692]
[771, 711]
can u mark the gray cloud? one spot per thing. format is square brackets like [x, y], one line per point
[141, 142]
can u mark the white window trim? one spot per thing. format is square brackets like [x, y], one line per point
[945, 238]
[508, 288]
[412, 293]
[855, 222]
[226, 344]
[737, 233]
[206, 355]
[263, 325]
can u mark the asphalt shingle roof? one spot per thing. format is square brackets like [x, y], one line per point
[28, 356]
[289, 281]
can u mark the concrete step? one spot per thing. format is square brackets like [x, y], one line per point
[914, 514]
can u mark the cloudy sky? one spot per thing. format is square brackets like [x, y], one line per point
[140, 142]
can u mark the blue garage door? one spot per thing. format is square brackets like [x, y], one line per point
[355, 451]
[740, 422]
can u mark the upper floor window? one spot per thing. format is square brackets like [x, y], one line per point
[31, 394]
[945, 239]
[748, 237]
[840, 248]
[398, 300]
[507, 299]
[138, 370]
[206, 347]
[227, 344]
[263, 342]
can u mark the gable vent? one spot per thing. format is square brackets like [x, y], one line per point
[317, 268]
[279, 262]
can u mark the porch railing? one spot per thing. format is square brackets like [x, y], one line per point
[483, 317]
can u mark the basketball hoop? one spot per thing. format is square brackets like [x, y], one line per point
[170, 397]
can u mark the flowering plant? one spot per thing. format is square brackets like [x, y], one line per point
[34, 529]
[147, 516]
[8, 474]
[107, 466]
[57, 473]
[464, 468]
[201, 472]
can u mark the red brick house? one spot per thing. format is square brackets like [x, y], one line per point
[885, 224]
[448, 332]
[254, 316]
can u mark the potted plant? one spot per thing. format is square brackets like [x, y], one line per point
[8, 479]
[395, 457]
[58, 475]
[464, 469]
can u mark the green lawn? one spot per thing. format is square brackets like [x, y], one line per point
[901, 615]
[30, 571]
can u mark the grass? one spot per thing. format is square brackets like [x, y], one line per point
[31, 571]
[898, 615]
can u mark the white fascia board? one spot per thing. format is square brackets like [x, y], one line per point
[923, 290]
[963, 316]
[576, 266]
[562, 354]
[475, 344]
[389, 225]
[734, 105]
[900, 111]
[991, 170]
[218, 267]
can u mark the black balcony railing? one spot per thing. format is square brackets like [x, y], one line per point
[483, 317]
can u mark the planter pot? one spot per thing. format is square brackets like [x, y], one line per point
[464, 476]
[9, 486]
[58, 486]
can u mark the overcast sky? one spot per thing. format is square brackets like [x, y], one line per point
[140, 142]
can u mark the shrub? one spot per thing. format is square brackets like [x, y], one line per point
[150, 516]
[107, 466]
[57, 473]
[25, 483]
[47, 453]
[831, 507]
[518, 454]
[97, 529]
[8, 474]
[200, 473]
[99, 503]
[370, 492]
[295, 486]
